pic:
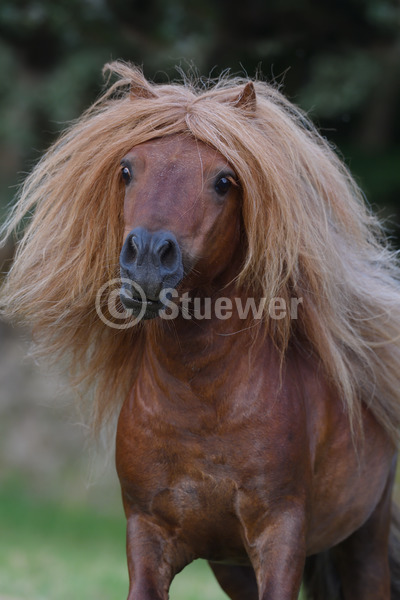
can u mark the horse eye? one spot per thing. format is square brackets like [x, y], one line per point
[126, 175]
[222, 186]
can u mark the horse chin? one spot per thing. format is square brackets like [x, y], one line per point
[150, 314]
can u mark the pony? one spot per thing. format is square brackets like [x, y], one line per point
[263, 440]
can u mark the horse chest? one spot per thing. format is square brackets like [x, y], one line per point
[203, 483]
[191, 494]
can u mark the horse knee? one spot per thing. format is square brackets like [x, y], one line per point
[153, 560]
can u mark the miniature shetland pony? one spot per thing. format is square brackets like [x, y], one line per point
[263, 441]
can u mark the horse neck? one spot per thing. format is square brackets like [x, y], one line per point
[205, 354]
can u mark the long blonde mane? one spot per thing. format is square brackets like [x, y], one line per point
[308, 231]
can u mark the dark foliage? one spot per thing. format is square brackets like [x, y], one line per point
[340, 60]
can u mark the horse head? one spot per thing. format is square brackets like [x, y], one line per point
[181, 219]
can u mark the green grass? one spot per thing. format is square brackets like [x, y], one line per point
[53, 552]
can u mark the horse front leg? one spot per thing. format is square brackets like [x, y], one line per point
[153, 559]
[277, 552]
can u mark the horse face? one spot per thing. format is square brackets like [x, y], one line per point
[182, 218]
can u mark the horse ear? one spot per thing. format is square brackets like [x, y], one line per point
[247, 98]
[138, 90]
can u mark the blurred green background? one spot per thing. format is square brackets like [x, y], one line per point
[61, 522]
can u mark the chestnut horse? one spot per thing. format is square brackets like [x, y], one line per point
[261, 406]
[221, 453]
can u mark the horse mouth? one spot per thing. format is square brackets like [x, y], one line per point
[140, 304]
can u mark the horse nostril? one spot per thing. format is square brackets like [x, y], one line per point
[130, 251]
[133, 249]
[167, 255]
